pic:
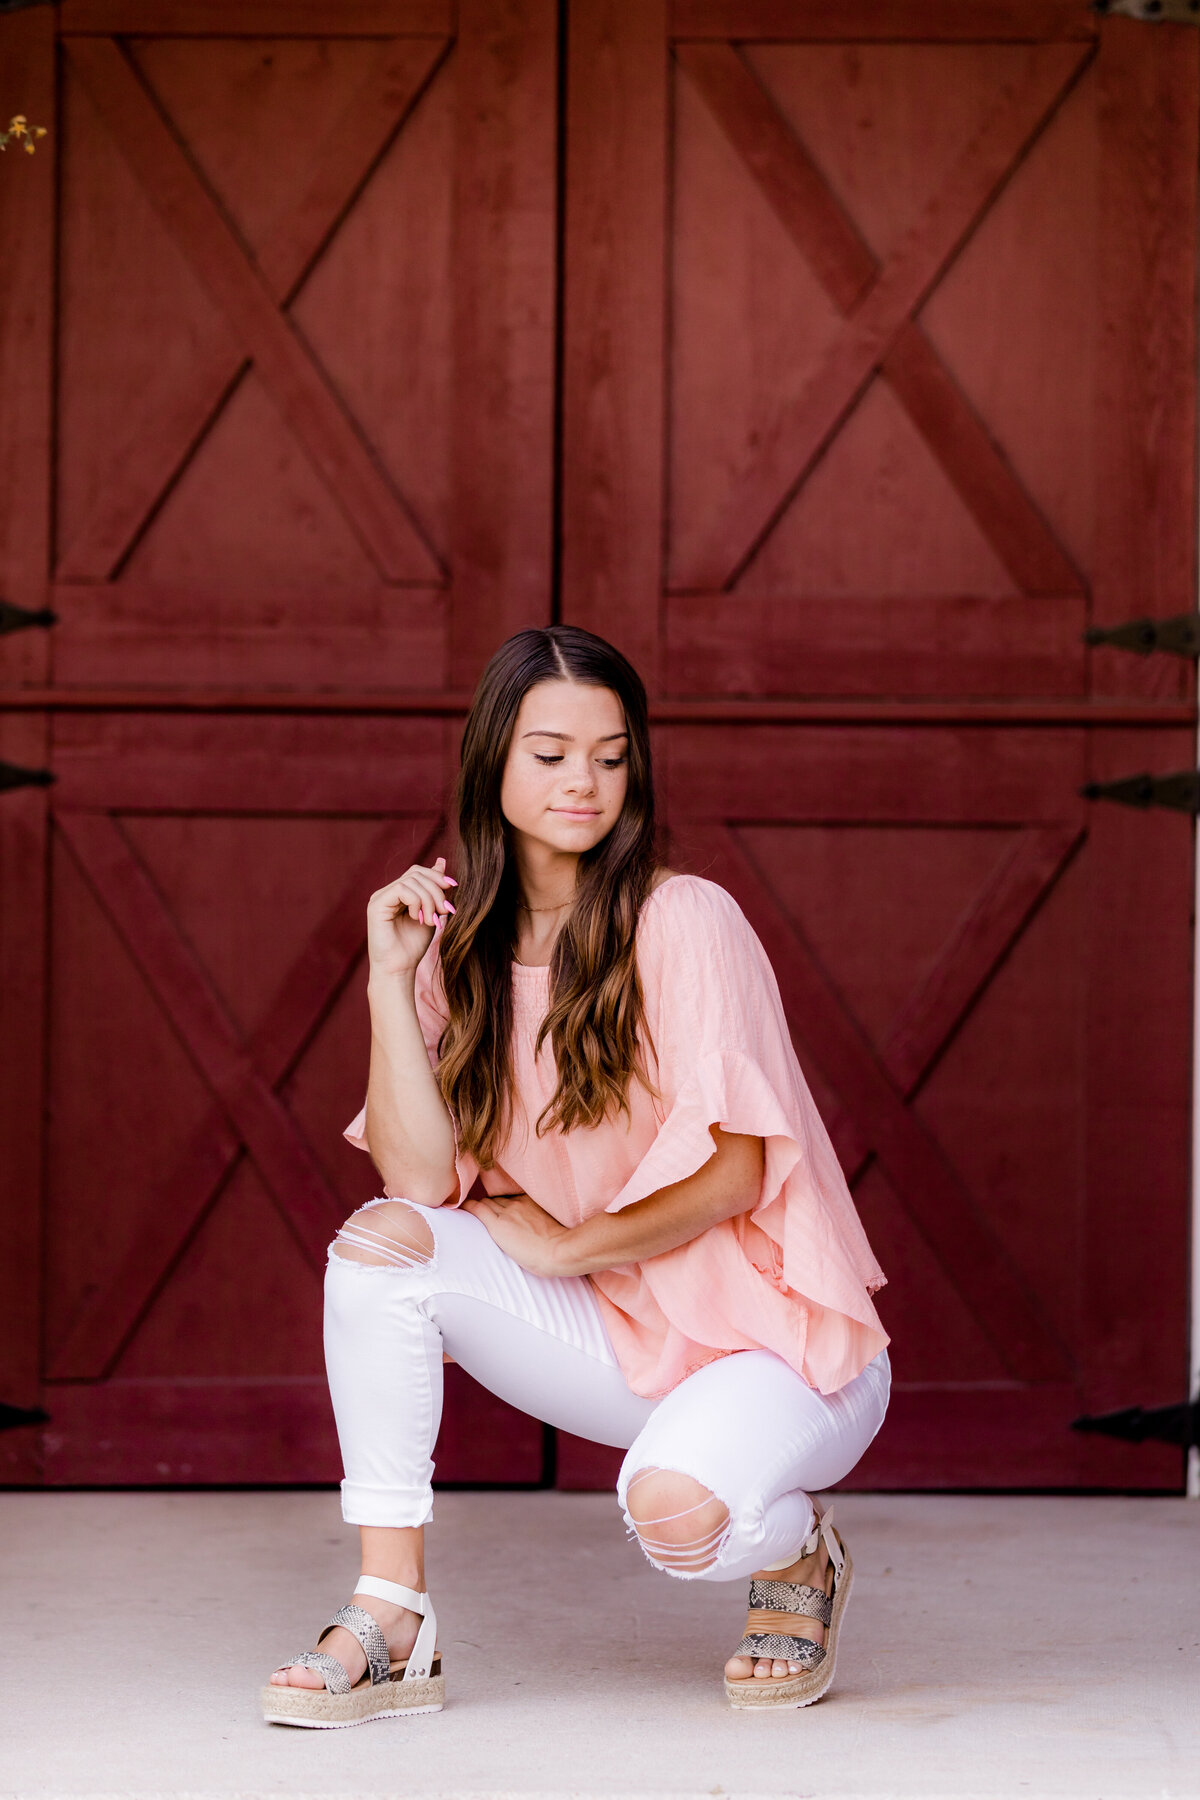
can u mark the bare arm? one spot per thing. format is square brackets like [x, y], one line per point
[409, 1131]
[728, 1184]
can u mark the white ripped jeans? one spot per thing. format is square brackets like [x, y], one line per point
[746, 1427]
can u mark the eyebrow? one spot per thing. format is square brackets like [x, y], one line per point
[568, 739]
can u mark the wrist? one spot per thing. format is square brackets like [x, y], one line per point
[384, 983]
[570, 1257]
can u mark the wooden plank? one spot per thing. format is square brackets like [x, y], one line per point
[170, 1215]
[1139, 948]
[1146, 381]
[932, 774]
[971, 1254]
[807, 207]
[257, 18]
[177, 979]
[315, 415]
[614, 323]
[150, 1433]
[277, 764]
[790, 181]
[913, 21]
[341, 164]
[914, 645]
[968, 960]
[967, 1436]
[505, 223]
[130, 634]
[986, 481]
[1137, 1027]
[986, 934]
[399, 703]
[904, 283]
[26, 383]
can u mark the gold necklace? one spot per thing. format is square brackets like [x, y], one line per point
[533, 909]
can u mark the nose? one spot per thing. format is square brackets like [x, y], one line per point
[580, 782]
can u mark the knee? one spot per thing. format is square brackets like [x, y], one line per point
[680, 1523]
[394, 1235]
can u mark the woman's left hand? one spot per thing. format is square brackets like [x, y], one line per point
[523, 1231]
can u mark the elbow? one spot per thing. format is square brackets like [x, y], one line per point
[421, 1190]
[423, 1187]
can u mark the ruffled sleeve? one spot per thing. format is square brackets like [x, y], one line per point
[432, 1015]
[725, 1057]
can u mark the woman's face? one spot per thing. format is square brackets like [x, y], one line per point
[564, 781]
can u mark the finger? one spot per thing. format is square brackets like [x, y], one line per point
[417, 895]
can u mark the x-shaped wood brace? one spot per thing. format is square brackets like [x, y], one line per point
[251, 294]
[243, 1075]
[874, 1089]
[878, 305]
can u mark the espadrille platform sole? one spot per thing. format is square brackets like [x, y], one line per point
[395, 1699]
[771, 1604]
[388, 1690]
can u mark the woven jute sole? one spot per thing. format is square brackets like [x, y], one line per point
[757, 1691]
[320, 1710]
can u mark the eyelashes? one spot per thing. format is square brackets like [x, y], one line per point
[605, 762]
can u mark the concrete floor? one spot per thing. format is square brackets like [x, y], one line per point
[1017, 1647]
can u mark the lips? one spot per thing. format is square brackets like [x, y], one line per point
[566, 812]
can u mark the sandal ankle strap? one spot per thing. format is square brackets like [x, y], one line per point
[421, 1656]
[823, 1529]
[391, 1590]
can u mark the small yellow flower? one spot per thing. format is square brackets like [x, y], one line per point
[18, 127]
[28, 149]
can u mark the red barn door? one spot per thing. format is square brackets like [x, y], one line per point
[299, 389]
[879, 376]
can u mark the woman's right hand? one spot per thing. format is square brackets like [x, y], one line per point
[403, 916]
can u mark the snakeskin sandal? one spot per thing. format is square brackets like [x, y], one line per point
[775, 1604]
[387, 1690]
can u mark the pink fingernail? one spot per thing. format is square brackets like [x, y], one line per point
[421, 915]
[450, 908]
[451, 880]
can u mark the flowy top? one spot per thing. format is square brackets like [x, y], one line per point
[794, 1273]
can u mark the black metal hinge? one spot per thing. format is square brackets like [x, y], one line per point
[12, 1418]
[20, 618]
[1179, 636]
[1178, 12]
[12, 775]
[1134, 1424]
[1179, 792]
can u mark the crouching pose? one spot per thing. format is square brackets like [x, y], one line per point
[607, 1194]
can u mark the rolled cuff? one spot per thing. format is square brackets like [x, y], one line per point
[398, 1508]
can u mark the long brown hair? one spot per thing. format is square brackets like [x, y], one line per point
[596, 1006]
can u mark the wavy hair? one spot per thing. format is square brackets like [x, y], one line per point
[596, 1005]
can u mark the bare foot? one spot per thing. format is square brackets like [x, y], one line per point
[806, 1571]
[398, 1625]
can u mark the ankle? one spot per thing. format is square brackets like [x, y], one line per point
[378, 1585]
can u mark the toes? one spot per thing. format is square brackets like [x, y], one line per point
[297, 1676]
[738, 1667]
[762, 1667]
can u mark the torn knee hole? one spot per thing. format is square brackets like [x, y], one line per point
[393, 1235]
[680, 1524]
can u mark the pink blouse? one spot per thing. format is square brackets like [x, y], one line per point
[795, 1273]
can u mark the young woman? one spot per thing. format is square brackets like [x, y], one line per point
[665, 1256]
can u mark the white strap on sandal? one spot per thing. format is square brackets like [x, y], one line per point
[823, 1529]
[420, 1657]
